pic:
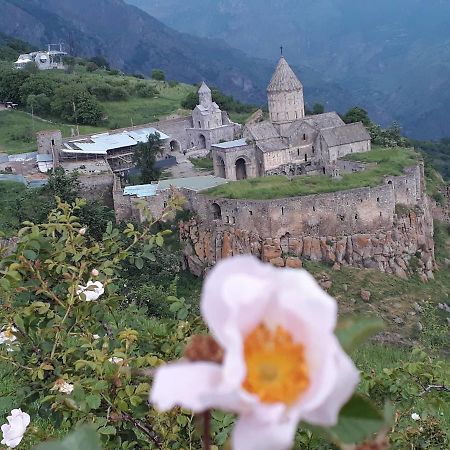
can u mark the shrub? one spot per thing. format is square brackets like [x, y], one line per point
[158, 74]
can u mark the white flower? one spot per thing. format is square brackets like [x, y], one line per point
[14, 430]
[63, 386]
[282, 362]
[96, 337]
[94, 272]
[7, 335]
[92, 291]
[115, 360]
[82, 231]
[415, 417]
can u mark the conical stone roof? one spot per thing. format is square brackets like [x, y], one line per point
[204, 89]
[284, 79]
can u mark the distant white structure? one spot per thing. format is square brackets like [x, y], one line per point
[53, 58]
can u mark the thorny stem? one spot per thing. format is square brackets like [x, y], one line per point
[140, 426]
[207, 430]
[15, 364]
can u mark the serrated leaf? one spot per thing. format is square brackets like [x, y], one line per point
[352, 332]
[109, 430]
[94, 401]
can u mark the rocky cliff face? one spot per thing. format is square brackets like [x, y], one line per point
[407, 248]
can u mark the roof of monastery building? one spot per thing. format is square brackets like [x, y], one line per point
[262, 130]
[346, 134]
[284, 79]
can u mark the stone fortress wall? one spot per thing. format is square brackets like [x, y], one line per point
[381, 227]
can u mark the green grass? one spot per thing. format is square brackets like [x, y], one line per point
[9, 193]
[202, 163]
[144, 110]
[17, 131]
[389, 162]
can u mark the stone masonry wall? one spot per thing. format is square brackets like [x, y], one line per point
[382, 227]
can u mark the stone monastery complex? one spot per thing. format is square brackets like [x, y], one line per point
[382, 227]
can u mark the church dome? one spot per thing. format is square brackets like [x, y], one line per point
[284, 79]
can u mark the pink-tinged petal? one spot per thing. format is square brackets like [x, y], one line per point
[300, 294]
[251, 434]
[235, 295]
[191, 385]
[346, 379]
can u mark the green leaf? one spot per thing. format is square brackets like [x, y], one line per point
[94, 401]
[139, 263]
[85, 438]
[358, 420]
[352, 332]
[30, 254]
[107, 430]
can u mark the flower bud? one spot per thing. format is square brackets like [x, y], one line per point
[82, 231]
[94, 272]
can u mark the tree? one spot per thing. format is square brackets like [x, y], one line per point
[38, 104]
[145, 157]
[158, 74]
[357, 114]
[318, 108]
[190, 101]
[11, 82]
[100, 61]
[74, 103]
[35, 85]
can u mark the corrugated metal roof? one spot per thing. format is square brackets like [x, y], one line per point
[143, 190]
[44, 158]
[231, 144]
[196, 184]
[143, 134]
[99, 144]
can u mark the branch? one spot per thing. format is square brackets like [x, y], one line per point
[147, 431]
[437, 387]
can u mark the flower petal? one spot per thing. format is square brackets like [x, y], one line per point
[300, 294]
[185, 384]
[235, 295]
[346, 380]
[251, 434]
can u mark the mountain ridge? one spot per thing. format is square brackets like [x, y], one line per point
[143, 43]
[393, 56]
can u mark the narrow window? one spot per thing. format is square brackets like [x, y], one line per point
[251, 213]
[53, 142]
[381, 214]
[298, 152]
[199, 124]
[306, 157]
[323, 170]
[313, 149]
[378, 199]
[314, 208]
[356, 216]
[282, 211]
[304, 136]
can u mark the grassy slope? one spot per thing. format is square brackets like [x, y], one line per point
[17, 128]
[389, 162]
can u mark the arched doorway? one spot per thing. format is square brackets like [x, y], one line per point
[217, 211]
[175, 146]
[241, 169]
[220, 168]
[202, 141]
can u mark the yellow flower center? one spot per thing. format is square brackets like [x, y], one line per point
[276, 366]
[8, 333]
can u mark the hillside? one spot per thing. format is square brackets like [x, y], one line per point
[393, 56]
[144, 43]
